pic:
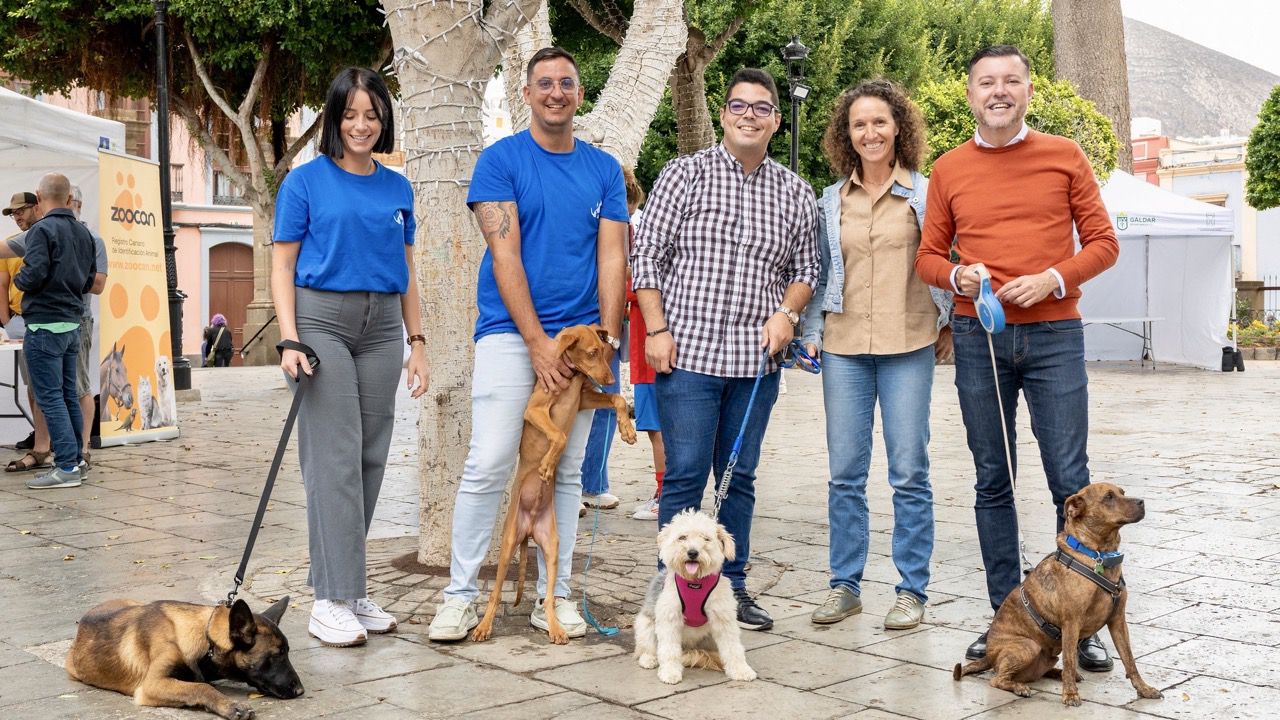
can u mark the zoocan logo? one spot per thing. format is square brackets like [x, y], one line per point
[127, 208]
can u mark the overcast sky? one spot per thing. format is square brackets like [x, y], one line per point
[1243, 29]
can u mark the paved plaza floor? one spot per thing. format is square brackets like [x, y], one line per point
[167, 520]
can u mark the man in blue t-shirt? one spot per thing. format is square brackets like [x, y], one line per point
[553, 212]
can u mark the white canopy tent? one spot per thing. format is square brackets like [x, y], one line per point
[36, 138]
[1175, 264]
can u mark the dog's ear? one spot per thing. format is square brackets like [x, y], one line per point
[276, 611]
[726, 542]
[566, 340]
[243, 628]
[1074, 507]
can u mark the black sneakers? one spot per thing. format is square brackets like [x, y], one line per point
[750, 615]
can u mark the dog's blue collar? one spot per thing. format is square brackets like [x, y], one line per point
[1107, 559]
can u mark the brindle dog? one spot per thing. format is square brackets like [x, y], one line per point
[166, 653]
[1059, 596]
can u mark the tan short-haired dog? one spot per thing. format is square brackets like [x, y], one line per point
[689, 617]
[548, 418]
[1070, 595]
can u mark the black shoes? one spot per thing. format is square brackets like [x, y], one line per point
[978, 649]
[750, 615]
[1092, 655]
[28, 443]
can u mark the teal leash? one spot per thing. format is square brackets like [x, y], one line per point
[595, 526]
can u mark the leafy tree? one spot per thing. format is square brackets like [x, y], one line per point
[248, 64]
[1055, 108]
[1262, 156]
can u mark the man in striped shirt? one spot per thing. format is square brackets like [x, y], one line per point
[725, 259]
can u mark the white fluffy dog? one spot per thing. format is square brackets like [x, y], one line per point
[674, 632]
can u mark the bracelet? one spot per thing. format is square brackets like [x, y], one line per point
[416, 338]
[659, 331]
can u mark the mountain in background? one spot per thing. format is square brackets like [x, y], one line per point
[1192, 90]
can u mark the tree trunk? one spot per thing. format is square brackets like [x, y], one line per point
[618, 123]
[528, 40]
[260, 311]
[694, 130]
[445, 55]
[1088, 50]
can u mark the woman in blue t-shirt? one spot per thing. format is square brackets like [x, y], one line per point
[341, 283]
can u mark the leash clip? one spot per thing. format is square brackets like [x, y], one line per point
[990, 311]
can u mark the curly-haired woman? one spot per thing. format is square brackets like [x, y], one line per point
[879, 329]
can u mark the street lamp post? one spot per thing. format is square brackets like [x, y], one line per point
[795, 54]
[181, 366]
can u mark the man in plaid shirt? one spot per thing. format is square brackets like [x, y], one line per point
[725, 260]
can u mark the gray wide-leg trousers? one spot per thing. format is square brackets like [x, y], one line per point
[344, 427]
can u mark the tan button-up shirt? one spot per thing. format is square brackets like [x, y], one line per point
[887, 308]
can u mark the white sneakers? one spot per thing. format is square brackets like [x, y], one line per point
[647, 510]
[454, 618]
[344, 623]
[604, 501]
[566, 613]
[373, 618]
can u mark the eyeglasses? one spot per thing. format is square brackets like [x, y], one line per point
[761, 109]
[567, 85]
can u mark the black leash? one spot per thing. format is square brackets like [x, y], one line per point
[304, 381]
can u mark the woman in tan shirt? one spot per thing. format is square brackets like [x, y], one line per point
[878, 327]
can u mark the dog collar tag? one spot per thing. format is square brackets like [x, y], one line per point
[1097, 566]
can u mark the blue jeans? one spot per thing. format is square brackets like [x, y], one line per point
[701, 416]
[851, 386]
[51, 360]
[595, 466]
[1045, 361]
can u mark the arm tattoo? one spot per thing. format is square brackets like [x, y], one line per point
[495, 221]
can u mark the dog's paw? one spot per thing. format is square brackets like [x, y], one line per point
[239, 711]
[744, 674]
[1070, 699]
[628, 431]
[547, 471]
[482, 632]
[1148, 692]
[671, 676]
[648, 662]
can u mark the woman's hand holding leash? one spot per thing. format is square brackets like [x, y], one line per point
[291, 360]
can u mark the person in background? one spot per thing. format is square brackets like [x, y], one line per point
[86, 364]
[879, 329]
[217, 342]
[341, 206]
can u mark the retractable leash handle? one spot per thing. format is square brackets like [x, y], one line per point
[990, 311]
[304, 382]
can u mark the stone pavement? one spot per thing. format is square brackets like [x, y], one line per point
[168, 520]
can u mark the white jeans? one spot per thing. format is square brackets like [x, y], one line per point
[501, 383]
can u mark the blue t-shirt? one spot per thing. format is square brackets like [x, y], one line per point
[560, 199]
[353, 228]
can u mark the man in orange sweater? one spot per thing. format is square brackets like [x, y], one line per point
[1008, 199]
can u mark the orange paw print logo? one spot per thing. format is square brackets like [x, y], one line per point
[127, 207]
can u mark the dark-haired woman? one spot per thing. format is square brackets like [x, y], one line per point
[878, 327]
[343, 283]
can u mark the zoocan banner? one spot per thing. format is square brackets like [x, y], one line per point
[137, 401]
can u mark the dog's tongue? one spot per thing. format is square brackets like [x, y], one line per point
[691, 567]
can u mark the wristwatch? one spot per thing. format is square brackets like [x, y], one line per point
[792, 315]
[614, 342]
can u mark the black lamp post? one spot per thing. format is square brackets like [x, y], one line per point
[181, 366]
[795, 54]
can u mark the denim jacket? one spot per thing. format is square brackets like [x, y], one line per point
[829, 295]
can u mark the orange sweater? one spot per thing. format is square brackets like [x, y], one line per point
[1011, 208]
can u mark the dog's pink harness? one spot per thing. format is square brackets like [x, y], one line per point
[693, 597]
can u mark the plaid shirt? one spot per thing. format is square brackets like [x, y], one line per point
[723, 247]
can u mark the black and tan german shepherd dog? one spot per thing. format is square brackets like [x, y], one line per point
[166, 653]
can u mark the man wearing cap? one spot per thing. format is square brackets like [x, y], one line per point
[25, 212]
[59, 269]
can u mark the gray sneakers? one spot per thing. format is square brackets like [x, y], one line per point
[907, 612]
[56, 478]
[573, 624]
[840, 604]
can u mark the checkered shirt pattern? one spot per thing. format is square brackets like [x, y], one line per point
[722, 247]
